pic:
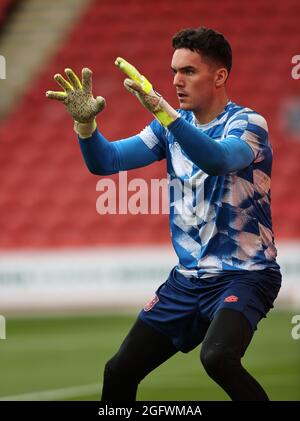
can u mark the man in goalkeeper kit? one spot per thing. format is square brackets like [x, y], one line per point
[227, 278]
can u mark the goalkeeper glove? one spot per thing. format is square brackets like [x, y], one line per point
[79, 100]
[143, 90]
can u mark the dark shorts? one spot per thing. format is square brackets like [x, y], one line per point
[183, 308]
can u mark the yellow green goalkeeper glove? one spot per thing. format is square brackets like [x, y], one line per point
[143, 90]
[79, 100]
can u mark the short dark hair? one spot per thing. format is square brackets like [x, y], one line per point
[210, 43]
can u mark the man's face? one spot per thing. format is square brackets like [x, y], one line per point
[194, 79]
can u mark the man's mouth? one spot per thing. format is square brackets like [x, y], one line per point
[181, 95]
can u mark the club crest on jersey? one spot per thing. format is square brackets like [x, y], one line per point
[151, 303]
[231, 299]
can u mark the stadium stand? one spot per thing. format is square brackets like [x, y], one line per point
[5, 6]
[47, 195]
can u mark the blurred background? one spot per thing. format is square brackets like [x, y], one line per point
[72, 280]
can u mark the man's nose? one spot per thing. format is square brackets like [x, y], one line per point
[178, 80]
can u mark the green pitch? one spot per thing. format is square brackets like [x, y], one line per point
[62, 358]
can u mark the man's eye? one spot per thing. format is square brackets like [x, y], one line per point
[190, 72]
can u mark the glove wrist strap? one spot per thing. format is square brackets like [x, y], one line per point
[164, 113]
[85, 130]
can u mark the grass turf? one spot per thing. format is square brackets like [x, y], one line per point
[58, 352]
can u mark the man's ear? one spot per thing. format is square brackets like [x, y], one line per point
[221, 77]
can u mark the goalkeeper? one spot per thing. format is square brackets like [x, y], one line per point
[227, 278]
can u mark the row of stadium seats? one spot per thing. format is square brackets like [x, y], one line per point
[48, 198]
[5, 5]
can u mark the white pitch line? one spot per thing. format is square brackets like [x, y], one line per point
[56, 394]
